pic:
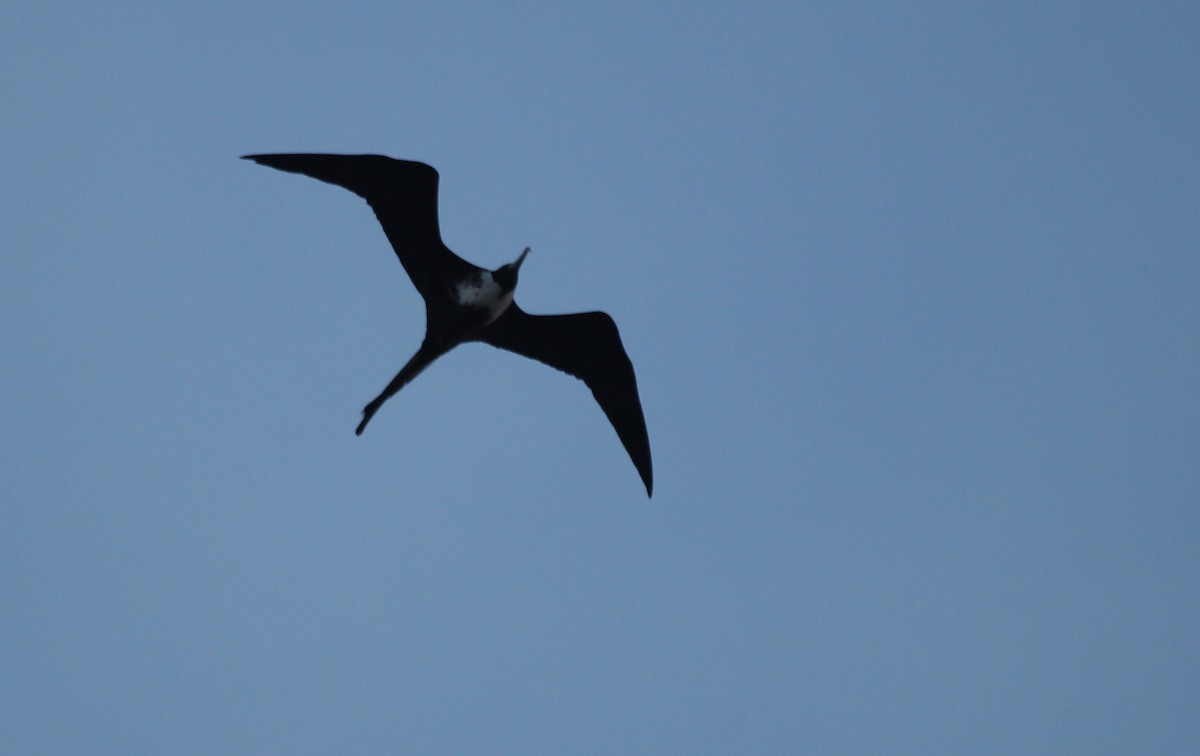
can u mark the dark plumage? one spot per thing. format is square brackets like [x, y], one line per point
[464, 302]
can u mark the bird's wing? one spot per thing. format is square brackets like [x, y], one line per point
[588, 346]
[404, 196]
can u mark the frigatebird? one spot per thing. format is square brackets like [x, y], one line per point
[464, 302]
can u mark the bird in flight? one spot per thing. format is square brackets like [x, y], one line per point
[464, 302]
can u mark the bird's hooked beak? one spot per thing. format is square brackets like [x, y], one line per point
[521, 259]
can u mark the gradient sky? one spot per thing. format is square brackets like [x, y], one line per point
[911, 292]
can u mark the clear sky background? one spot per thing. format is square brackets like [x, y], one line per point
[911, 292]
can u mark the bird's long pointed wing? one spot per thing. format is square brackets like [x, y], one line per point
[404, 196]
[588, 346]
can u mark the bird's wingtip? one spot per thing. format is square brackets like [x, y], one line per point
[368, 413]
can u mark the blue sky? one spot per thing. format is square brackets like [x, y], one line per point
[911, 294]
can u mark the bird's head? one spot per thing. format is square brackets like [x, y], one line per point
[506, 275]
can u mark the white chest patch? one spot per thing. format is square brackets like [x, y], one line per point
[484, 294]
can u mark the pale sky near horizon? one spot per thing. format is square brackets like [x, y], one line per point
[911, 293]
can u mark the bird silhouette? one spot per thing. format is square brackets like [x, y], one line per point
[464, 302]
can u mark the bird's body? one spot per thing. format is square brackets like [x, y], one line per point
[464, 302]
[484, 292]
